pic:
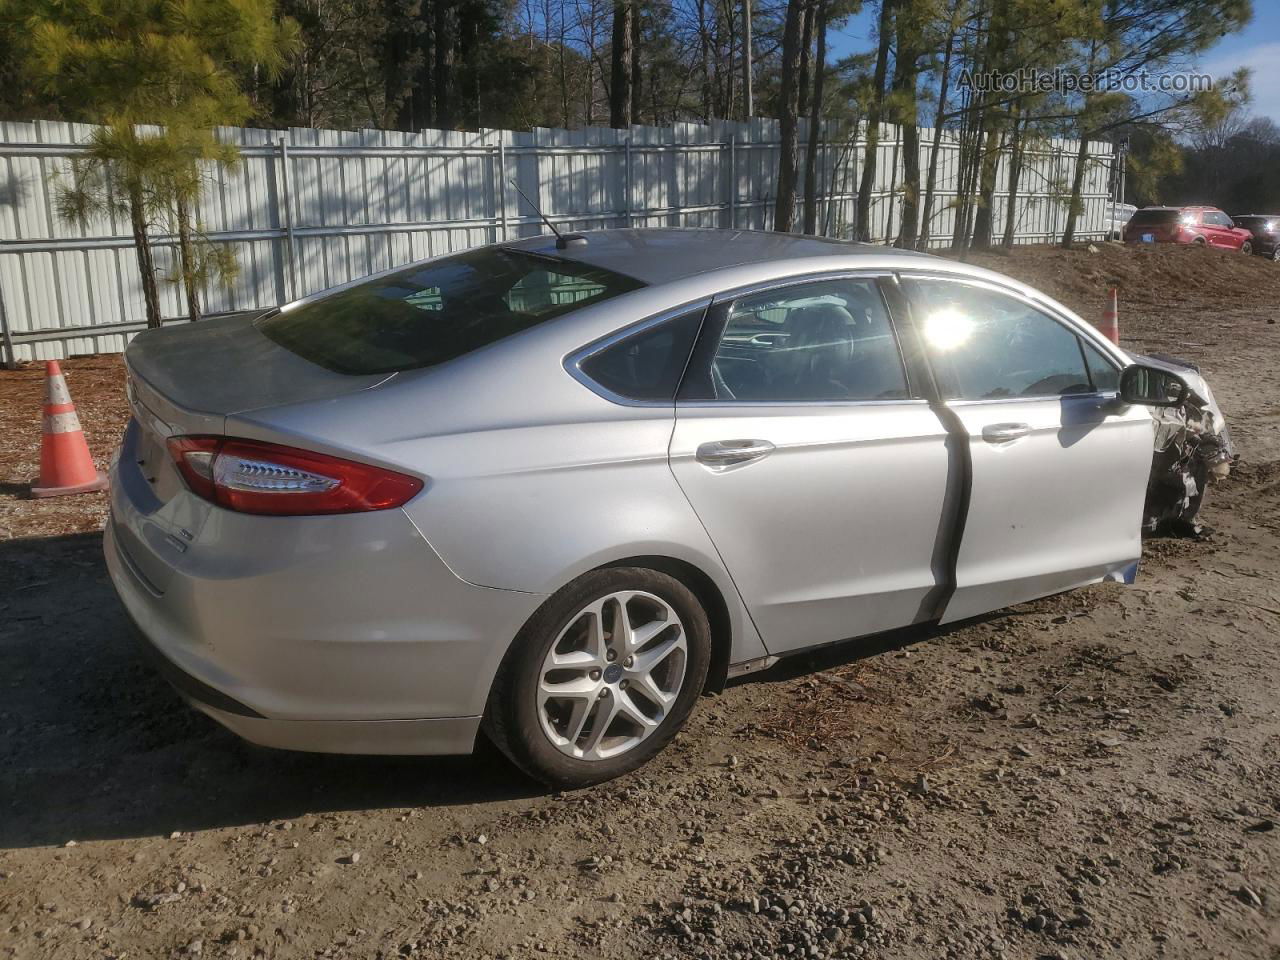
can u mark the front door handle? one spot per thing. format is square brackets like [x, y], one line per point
[730, 453]
[1004, 432]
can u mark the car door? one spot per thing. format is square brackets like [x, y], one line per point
[820, 476]
[1058, 468]
[1221, 230]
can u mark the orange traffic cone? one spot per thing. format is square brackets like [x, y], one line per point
[1110, 325]
[65, 464]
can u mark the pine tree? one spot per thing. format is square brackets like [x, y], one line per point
[172, 63]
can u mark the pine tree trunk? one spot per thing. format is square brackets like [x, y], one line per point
[636, 97]
[620, 72]
[959, 231]
[927, 215]
[815, 124]
[748, 93]
[1015, 174]
[443, 77]
[785, 204]
[983, 219]
[704, 47]
[806, 48]
[862, 214]
[1077, 184]
[187, 260]
[146, 261]
[906, 70]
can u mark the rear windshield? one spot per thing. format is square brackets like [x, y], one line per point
[1154, 216]
[432, 313]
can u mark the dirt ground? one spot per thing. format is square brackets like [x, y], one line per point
[1092, 775]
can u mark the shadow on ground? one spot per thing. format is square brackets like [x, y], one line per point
[94, 745]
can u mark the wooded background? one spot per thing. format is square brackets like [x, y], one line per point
[329, 206]
[180, 106]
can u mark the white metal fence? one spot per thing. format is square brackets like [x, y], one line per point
[307, 209]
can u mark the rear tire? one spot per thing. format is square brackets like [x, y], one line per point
[581, 697]
[1246, 248]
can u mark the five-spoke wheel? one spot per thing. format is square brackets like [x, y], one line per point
[601, 677]
[612, 674]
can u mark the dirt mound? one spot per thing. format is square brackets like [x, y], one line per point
[1158, 275]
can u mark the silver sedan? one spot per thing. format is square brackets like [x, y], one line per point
[556, 489]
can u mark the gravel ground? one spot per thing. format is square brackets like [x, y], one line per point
[1092, 775]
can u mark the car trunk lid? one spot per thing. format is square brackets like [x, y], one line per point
[187, 380]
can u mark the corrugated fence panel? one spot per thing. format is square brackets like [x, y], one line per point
[304, 210]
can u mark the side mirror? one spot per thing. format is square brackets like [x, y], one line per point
[1152, 387]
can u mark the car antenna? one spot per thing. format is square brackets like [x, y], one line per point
[563, 240]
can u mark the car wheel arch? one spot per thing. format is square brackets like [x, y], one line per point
[712, 600]
[703, 587]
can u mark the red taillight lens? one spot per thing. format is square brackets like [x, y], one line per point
[250, 476]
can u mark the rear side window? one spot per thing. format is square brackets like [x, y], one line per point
[1154, 217]
[430, 314]
[986, 345]
[647, 365]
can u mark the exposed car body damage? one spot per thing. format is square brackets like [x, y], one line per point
[1193, 448]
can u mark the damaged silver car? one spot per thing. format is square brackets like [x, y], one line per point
[555, 489]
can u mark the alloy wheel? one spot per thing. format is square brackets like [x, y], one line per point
[612, 675]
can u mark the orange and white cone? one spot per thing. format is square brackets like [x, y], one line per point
[65, 463]
[1110, 325]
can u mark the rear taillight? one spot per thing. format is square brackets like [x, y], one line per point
[254, 477]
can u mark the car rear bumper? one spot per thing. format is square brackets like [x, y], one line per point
[442, 735]
[339, 634]
[409, 737]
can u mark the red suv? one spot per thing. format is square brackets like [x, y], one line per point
[1205, 226]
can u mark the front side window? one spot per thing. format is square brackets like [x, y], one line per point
[986, 345]
[432, 313]
[1103, 371]
[827, 340]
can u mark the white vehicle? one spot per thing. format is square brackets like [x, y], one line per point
[1118, 216]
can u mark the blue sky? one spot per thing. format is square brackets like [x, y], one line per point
[1257, 46]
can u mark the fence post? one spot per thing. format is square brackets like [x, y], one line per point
[626, 181]
[501, 185]
[733, 182]
[10, 357]
[287, 202]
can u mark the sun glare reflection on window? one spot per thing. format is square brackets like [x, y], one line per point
[948, 329]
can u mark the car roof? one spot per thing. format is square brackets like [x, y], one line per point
[663, 255]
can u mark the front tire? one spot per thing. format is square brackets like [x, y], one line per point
[601, 678]
[1246, 248]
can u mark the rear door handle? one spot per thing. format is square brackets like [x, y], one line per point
[1004, 432]
[730, 453]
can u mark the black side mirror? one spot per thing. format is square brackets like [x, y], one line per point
[1152, 387]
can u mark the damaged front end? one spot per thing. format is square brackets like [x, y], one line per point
[1193, 448]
